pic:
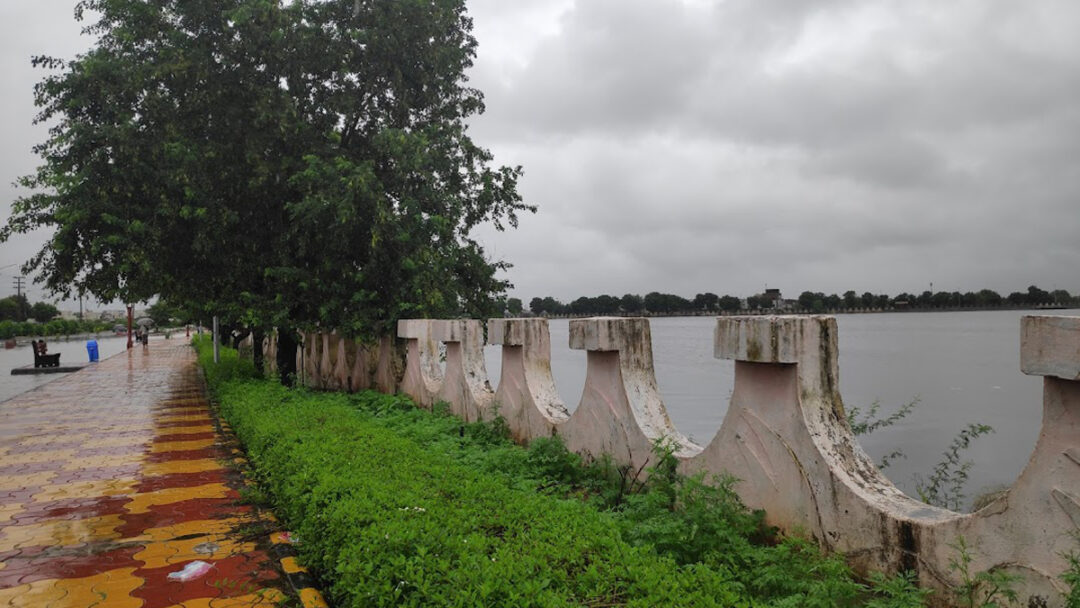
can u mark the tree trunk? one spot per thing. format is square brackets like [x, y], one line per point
[257, 336]
[238, 337]
[286, 356]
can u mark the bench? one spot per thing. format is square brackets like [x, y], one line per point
[41, 356]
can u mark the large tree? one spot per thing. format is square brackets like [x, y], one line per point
[276, 163]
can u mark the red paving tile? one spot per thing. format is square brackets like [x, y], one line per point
[90, 489]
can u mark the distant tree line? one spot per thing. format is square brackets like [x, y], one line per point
[18, 317]
[807, 302]
[18, 308]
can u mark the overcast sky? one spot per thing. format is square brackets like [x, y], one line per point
[687, 146]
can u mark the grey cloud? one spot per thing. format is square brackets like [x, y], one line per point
[684, 145]
[869, 145]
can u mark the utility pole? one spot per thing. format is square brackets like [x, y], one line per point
[217, 330]
[18, 290]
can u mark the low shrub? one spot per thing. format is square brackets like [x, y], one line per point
[394, 505]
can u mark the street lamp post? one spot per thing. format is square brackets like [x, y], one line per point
[131, 319]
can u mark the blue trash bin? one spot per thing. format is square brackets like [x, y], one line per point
[91, 349]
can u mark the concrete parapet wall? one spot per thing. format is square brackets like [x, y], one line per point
[785, 435]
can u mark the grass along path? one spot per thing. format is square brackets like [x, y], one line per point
[398, 506]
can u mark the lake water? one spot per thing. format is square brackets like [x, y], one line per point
[71, 352]
[963, 367]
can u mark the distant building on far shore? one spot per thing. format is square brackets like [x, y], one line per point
[777, 300]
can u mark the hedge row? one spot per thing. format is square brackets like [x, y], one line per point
[396, 506]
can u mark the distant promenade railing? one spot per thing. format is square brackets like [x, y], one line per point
[785, 435]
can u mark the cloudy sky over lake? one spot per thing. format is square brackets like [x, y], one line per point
[688, 146]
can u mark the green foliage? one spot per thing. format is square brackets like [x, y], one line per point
[864, 424]
[164, 314]
[1071, 577]
[15, 308]
[43, 312]
[274, 163]
[945, 486]
[897, 592]
[395, 505]
[229, 367]
[984, 589]
[56, 327]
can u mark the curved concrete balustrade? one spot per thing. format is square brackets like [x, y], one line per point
[465, 383]
[423, 375]
[786, 438]
[621, 412]
[785, 435]
[527, 398]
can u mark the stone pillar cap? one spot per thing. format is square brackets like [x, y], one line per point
[1050, 346]
[510, 332]
[763, 339]
[609, 333]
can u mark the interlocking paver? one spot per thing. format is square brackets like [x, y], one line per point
[118, 475]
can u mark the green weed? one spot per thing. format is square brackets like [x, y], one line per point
[984, 589]
[402, 506]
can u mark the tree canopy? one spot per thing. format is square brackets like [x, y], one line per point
[296, 163]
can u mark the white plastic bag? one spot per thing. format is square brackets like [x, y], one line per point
[191, 571]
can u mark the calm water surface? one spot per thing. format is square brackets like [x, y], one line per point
[963, 367]
[71, 352]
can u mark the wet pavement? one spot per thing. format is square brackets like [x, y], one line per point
[117, 476]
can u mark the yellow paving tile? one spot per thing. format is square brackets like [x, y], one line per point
[30, 480]
[86, 489]
[188, 411]
[311, 598]
[182, 418]
[186, 430]
[32, 595]
[163, 548]
[264, 598]
[290, 566]
[141, 503]
[61, 532]
[193, 401]
[9, 510]
[103, 460]
[159, 555]
[198, 526]
[38, 456]
[116, 442]
[201, 465]
[181, 446]
[115, 592]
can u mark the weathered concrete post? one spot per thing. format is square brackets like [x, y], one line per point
[388, 366]
[621, 412]
[526, 398]
[423, 375]
[786, 437]
[465, 383]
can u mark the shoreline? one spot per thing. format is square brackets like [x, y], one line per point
[857, 311]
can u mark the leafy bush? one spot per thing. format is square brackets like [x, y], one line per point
[395, 505]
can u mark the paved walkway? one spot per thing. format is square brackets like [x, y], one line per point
[116, 476]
